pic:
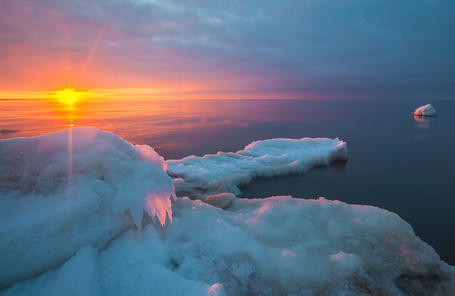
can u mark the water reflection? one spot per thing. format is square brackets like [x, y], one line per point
[338, 166]
[422, 123]
[175, 128]
[138, 121]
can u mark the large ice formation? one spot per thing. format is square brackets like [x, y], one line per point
[288, 246]
[426, 110]
[62, 191]
[64, 230]
[212, 174]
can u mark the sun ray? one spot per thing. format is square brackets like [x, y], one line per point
[95, 45]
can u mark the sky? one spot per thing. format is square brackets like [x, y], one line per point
[230, 49]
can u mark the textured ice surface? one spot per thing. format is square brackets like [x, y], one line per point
[199, 177]
[274, 246]
[68, 234]
[287, 246]
[62, 191]
[80, 275]
[426, 110]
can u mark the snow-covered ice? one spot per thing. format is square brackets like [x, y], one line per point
[288, 246]
[426, 110]
[212, 174]
[77, 233]
[62, 191]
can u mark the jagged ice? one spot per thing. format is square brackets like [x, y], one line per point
[77, 211]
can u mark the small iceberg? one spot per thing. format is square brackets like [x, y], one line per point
[426, 110]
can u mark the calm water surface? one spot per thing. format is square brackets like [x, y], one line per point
[396, 162]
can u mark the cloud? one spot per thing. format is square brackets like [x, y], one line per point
[327, 46]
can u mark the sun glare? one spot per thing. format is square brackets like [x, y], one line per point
[69, 103]
[68, 96]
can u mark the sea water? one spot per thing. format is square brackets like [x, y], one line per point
[396, 161]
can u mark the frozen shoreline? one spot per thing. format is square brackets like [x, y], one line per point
[317, 246]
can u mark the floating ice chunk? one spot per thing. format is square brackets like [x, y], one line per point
[61, 191]
[426, 110]
[225, 172]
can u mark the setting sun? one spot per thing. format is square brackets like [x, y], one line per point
[68, 96]
[69, 103]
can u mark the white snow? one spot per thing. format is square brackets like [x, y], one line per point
[86, 245]
[426, 110]
[62, 191]
[287, 246]
[199, 177]
[80, 275]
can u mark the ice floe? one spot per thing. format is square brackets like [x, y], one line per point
[212, 174]
[426, 110]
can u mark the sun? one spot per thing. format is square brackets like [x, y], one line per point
[68, 96]
[69, 103]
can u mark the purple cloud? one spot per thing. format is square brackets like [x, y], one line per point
[350, 48]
